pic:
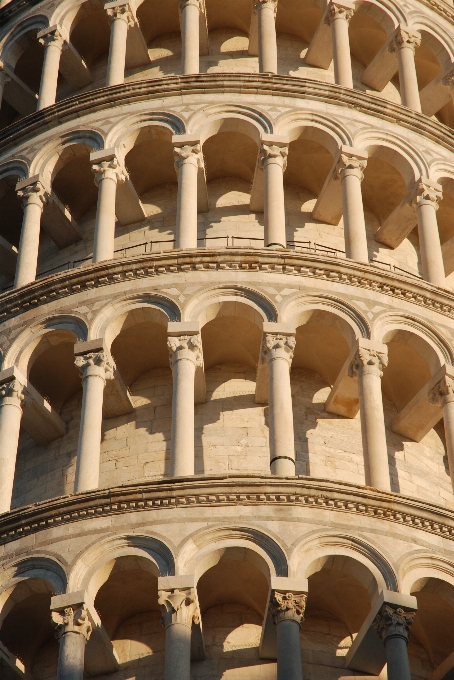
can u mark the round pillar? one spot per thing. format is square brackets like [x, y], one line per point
[190, 30]
[4, 80]
[426, 206]
[443, 393]
[351, 171]
[339, 18]
[53, 44]
[121, 19]
[33, 198]
[107, 174]
[11, 399]
[188, 159]
[404, 44]
[287, 611]
[73, 630]
[393, 626]
[273, 160]
[266, 19]
[179, 611]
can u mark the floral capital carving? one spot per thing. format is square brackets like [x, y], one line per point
[200, 4]
[54, 38]
[338, 12]
[185, 347]
[271, 153]
[189, 153]
[33, 193]
[403, 37]
[72, 620]
[109, 169]
[350, 165]
[13, 391]
[277, 346]
[287, 607]
[368, 361]
[443, 392]
[178, 606]
[426, 194]
[262, 4]
[121, 12]
[99, 360]
[392, 623]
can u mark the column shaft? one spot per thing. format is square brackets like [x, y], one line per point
[289, 663]
[188, 160]
[178, 652]
[33, 198]
[351, 171]
[190, 29]
[274, 161]
[71, 657]
[404, 44]
[266, 19]
[107, 174]
[11, 396]
[397, 659]
[120, 20]
[53, 44]
[432, 265]
[341, 46]
[448, 418]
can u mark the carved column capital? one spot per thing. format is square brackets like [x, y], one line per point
[350, 165]
[200, 4]
[338, 12]
[95, 363]
[178, 606]
[53, 37]
[109, 169]
[13, 393]
[426, 193]
[443, 392]
[404, 37]
[393, 623]
[185, 347]
[277, 346]
[121, 12]
[370, 361]
[287, 607]
[72, 620]
[271, 153]
[189, 153]
[33, 193]
[262, 4]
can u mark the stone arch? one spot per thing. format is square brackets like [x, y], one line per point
[385, 12]
[11, 50]
[194, 554]
[395, 151]
[93, 566]
[124, 135]
[439, 44]
[14, 168]
[229, 118]
[205, 306]
[420, 566]
[314, 127]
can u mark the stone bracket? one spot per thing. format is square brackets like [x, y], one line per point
[176, 328]
[419, 416]
[202, 191]
[261, 383]
[183, 582]
[367, 653]
[320, 52]
[343, 400]
[258, 183]
[268, 640]
[100, 655]
[435, 94]
[445, 671]
[11, 668]
[39, 419]
[8, 258]
[18, 94]
[329, 206]
[381, 69]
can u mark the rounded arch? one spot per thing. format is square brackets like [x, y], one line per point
[14, 168]
[229, 118]
[314, 127]
[125, 134]
[395, 151]
[346, 553]
[93, 566]
[386, 13]
[441, 46]
[194, 555]
[11, 50]
[142, 307]
[420, 566]
[28, 345]
[205, 306]
[441, 170]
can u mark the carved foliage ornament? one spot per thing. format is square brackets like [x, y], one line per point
[72, 620]
[278, 346]
[338, 12]
[33, 193]
[391, 623]
[109, 169]
[425, 193]
[351, 165]
[273, 154]
[178, 606]
[369, 360]
[189, 345]
[122, 12]
[99, 359]
[404, 38]
[13, 390]
[189, 153]
[262, 4]
[442, 392]
[200, 4]
[54, 38]
[287, 607]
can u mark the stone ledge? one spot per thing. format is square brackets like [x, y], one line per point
[228, 490]
[64, 284]
[75, 107]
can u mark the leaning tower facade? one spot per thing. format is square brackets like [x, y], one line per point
[226, 339]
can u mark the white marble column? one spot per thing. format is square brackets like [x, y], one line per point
[368, 366]
[350, 169]
[404, 44]
[185, 354]
[277, 350]
[190, 35]
[425, 202]
[11, 400]
[287, 611]
[33, 197]
[266, 20]
[73, 630]
[188, 159]
[443, 393]
[273, 160]
[53, 43]
[95, 367]
[4, 80]
[393, 626]
[121, 19]
[179, 612]
[338, 17]
[107, 173]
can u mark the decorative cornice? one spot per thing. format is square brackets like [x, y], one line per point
[228, 490]
[314, 266]
[253, 84]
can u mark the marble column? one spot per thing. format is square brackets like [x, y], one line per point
[188, 160]
[53, 43]
[33, 197]
[368, 366]
[185, 354]
[11, 401]
[443, 393]
[338, 17]
[277, 350]
[273, 160]
[73, 630]
[121, 19]
[350, 169]
[4, 80]
[425, 202]
[287, 611]
[179, 612]
[107, 173]
[403, 45]
[190, 35]
[393, 626]
[266, 19]
[95, 368]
